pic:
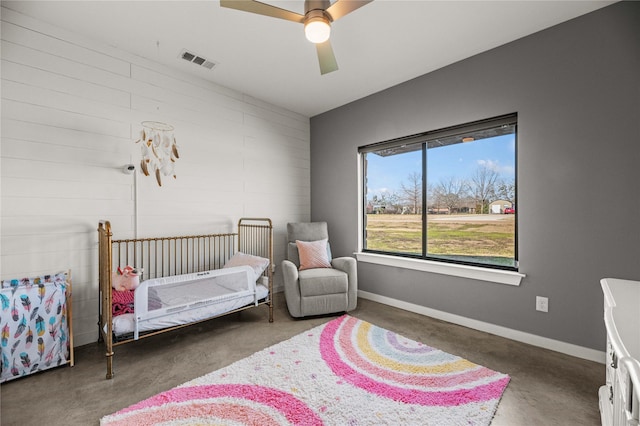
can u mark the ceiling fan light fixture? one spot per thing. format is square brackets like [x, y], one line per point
[317, 19]
[317, 28]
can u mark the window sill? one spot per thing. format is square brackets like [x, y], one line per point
[464, 271]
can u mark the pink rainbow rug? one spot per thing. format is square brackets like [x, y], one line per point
[345, 372]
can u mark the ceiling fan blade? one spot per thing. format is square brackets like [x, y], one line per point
[262, 9]
[326, 57]
[342, 7]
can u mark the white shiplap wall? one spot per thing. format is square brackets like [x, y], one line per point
[71, 110]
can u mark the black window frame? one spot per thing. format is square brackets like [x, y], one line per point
[449, 135]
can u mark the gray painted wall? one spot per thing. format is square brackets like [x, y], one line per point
[576, 89]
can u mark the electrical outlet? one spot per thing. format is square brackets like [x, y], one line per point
[542, 304]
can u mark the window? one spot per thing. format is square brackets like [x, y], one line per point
[447, 195]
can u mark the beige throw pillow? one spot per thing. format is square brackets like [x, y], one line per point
[313, 254]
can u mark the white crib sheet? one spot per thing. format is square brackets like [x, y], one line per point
[123, 324]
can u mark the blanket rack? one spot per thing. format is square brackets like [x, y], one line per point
[36, 323]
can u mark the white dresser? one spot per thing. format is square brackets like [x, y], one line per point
[620, 397]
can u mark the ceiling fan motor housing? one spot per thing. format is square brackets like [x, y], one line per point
[321, 5]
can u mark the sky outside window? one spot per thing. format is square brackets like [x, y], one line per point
[386, 174]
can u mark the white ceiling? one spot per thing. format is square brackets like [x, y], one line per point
[377, 46]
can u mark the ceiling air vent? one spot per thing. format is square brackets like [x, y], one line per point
[198, 60]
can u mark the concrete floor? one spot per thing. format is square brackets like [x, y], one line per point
[546, 388]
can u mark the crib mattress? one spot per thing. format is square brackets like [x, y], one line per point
[124, 324]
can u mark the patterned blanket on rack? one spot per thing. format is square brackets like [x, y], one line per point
[33, 325]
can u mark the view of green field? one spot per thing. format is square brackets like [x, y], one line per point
[453, 236]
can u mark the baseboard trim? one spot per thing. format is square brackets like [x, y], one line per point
[519, 336]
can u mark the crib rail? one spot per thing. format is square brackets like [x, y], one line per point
[166, 256]
[255, 236]
[105, 266]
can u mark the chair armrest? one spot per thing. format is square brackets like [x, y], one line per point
[345, 264]
[350, 266]
[291, 288]
[289, 271]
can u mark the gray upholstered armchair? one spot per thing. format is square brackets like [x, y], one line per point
[317, 291]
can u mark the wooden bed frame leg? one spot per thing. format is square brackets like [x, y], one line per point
[271, 311]
[109, 356]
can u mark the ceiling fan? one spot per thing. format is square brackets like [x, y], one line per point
[317, 20]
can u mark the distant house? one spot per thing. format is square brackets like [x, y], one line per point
[381, 209]
[498, 206]
[467, 206]
[438, 210]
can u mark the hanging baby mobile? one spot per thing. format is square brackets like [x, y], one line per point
[159, 150]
